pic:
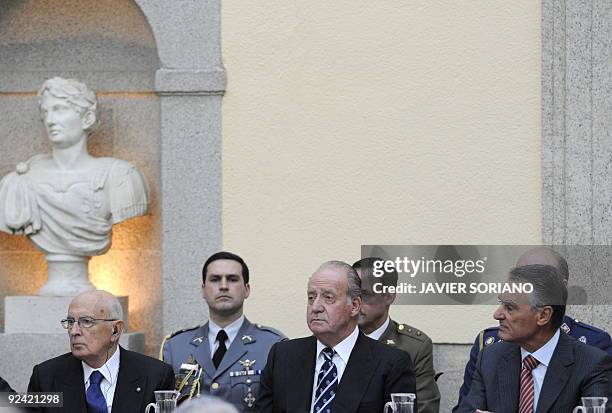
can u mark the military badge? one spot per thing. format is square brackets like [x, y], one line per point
[582, 339]
[565, 328]
[248, 370]
[489, 341]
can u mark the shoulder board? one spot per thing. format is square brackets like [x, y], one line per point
[177, 332]
[410, 331]
[588, 326]
[270, 329]
[487, 337]
[169, 336]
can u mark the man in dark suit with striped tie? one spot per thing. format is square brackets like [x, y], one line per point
[535, 368]
[338, 369]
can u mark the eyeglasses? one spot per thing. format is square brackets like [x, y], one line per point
[83, 322]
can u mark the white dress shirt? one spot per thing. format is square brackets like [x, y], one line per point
[110, 371]
[341, 357]
[231, 330]
[543, 355]
[380, 330]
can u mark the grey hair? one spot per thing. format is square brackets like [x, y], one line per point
[115, 310]
[79, 96]
[354, 282]
[206, 404]
[549, 289]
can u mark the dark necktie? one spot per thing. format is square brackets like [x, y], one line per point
[327, 383]
[527, 394]
[218, 356]
[96, 403]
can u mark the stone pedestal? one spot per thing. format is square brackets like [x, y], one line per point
[33, 334]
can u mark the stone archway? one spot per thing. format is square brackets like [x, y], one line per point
[157, 68]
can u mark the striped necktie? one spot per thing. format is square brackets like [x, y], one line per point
[527, 392]
[327, 383]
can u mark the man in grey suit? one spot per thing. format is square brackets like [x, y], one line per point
[225, 356]
[535, 368]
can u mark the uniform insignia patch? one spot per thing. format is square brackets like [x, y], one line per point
[565, 328]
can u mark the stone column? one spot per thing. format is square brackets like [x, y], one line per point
[576, 135]
[190, 187]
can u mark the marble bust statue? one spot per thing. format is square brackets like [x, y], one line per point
[66, 202]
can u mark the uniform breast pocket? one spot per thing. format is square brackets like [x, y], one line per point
[244, 390]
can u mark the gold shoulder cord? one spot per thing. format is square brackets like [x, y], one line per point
[481, 340]
[195, 387]
[161, 348]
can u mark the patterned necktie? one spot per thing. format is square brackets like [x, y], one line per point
[218, 356]
[96, 403]
[327, 383]
[527, 391]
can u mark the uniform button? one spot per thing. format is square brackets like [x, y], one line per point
[214, 386]
[401, 327]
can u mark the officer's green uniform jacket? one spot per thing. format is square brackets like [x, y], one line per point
[419, 346]
[233, 381]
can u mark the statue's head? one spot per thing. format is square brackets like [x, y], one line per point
[74, 101]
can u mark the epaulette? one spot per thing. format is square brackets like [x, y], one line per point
[410, 331]
[482, 342]
[588, 326]
[271, 330]
[169, 336]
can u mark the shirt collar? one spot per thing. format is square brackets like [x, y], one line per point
[343, 348]
[544, 353]
[109, 370]
[376, 334]
[231, 329]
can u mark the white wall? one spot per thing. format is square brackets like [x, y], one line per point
[353, 122]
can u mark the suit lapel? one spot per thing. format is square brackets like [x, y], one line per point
[300, 378]
[237, 349]
[356, 377]
[201, 351]
[72, 384]
[508, 374]
[131, 385]
[557, 374]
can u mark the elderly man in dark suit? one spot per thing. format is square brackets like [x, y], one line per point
[338, 370]
[99, 376]
[586, 333]
[536, 368]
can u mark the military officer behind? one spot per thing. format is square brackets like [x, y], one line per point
[225, 356]
[374, 322]
[578, 330]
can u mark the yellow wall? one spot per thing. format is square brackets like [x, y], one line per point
[363, 122]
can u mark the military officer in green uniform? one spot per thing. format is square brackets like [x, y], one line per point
[374, 322]
[225, 356]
